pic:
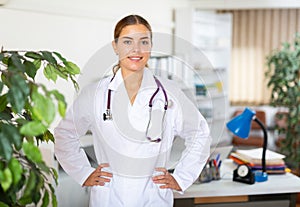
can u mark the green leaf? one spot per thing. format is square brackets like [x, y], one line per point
[75, 84]
[54, 201]
[62, 73]
[3, 204]
[32, 152]
[36, 197]
[55, 175]
[72, 68]
[43, 167]
[4, 79]
[25, 200]
[16, 99]
[30, 184]
[48, 136]
[5, 116]
[33, 128]
[12, 133]
[58, 95]
[49, 72]
[62, 108]
[48, 56]
[1, 86]
[30, 69]
[45, 199]
[16, 170]
[6, 179]
[60, 57]
[43, 108]
[37, 63]
[3, 102]
[5, 147]
[15, 63]
[1, 56]
[19, 80]
[18, 92]
[5, 60]
[41, 181]
[22, 121]
[33, 55]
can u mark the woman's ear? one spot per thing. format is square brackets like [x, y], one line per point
[114, 45]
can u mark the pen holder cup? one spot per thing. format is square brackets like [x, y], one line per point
[215, 173]
[205, 175]
[208, 174]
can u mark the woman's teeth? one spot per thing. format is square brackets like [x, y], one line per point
[135, 58]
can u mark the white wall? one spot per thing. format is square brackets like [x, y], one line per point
[75, 28]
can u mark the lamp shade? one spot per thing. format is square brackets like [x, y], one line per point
[241, 124]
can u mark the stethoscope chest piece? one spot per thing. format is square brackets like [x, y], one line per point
[107, 115]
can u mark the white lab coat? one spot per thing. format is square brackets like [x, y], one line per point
[121, 142]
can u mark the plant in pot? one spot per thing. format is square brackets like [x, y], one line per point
[27, 109]
[284, 80]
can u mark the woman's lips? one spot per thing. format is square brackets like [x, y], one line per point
[135, 58]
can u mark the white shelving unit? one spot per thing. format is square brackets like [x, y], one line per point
[209, 34]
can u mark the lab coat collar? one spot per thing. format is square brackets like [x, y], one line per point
[147, 82]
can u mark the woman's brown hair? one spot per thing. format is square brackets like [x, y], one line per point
[130, 20]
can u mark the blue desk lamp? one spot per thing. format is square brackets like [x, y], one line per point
[240, 126]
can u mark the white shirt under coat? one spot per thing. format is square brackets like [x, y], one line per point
[121, 142]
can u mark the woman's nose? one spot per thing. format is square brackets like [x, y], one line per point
[136, 47]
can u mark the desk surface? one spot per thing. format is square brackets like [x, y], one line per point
[286, 183]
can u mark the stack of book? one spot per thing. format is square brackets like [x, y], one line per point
[274, 161]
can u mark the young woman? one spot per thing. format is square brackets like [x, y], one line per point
[134, 117]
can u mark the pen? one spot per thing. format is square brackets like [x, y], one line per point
[218, 157]
[219, 165]
[215, 163]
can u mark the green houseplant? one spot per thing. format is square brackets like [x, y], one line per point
[27, 108]
[284, 80]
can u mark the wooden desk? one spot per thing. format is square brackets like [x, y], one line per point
[278, 191]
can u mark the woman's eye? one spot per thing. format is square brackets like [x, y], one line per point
[145, 42]
[127, 42]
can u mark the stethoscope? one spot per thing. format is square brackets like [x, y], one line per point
[108, 115]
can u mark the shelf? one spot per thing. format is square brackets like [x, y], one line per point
[204, 98]
[210, 34]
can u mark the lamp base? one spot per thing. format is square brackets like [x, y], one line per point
[260, 176]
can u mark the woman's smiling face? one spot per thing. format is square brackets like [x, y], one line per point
[133, 47]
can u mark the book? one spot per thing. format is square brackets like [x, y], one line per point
[270, 169]
[255, 155]
[238, 158]
[274, 161]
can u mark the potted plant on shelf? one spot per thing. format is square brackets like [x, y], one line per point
[284, 80]
[27, 108]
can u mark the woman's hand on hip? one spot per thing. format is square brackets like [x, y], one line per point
[166, 179]
[98, 177]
